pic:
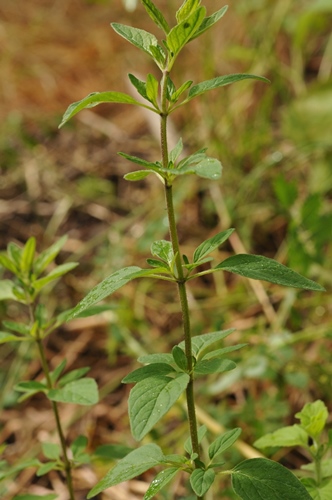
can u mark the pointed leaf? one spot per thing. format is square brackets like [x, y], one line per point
[201, 342]
[157, 358]
[185, 86]
[139, 85]
[214, 365]
[48, 256]
[156, 15]
[108, 286]
[200, 434]
[14, 252]
[180, 357]
[31, 385]
[46, 468]
[9, 337]
[152, 86]
[79, 445]
[55, 374]
[17, 327]
[221, 81]
[262, 478]
[202, 480]
[186, 9]
[262, 268]
[51, 496]
[181, 33]
[151, 399]
[134, 464]
[223, 442]
[54, 275]
[161, 479]
[208, 168]
[73, 375]
[81, 392]
[109, 452]
[157, 263]
[292, 435]
[147, 372]
[139, 161]
[8, 264]
[211, 244]
[96, 98]
[210, 21]
[140, 38]
[28, 254]
[174, 154]
[218, 353]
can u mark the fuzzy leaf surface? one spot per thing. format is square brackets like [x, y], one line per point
[134, 464]
[186, 9]
[156, 15]
[163, 249]
[201, 480]
[214, 365]
[313, 417]
[161, 479]
[210, 21]
[264, 479]
[151, 399]
[223, 442]
[258, 267]
[211, 244]
[96, 98]
[181, 33]
[157, 358]
[221, 81]
[81, 392]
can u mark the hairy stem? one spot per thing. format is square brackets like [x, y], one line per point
[181, 281]
[50, 385]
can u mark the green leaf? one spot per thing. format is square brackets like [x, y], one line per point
[78, 446]
[218, 353]
[14, 252]
[292, 435]
[210, 21]
[6, 289]
[9, 337]
[21, 328]
[176, 95]
[108, 286]
[28, 254]
[220, 81]
[186, 9]
[181, 34]
[180, 358]
[265, 479]
[51, 450]
[321, 492]
[51, 496]
[152, 86]
[147, 372]
[151, 399]
[214, 365]
[262, 268]
[134, 464]
[157, 358]
[313, 417]
[96, 98]
[176, 151]
[163, 249]
[156, 15]
[8, 264]
[157, 263]
[73, 375]
[46, 468]
[223, 442]
[139, 85]
[161, 479]
[201, 342]
[55, 374]
[31, 385]
[137, 175]
[211, 244]
[48, 256]
[326, 468]
[140, 38]
[54, 275]
[111, 451]
[139, 161]
[81, 392]
[202, 480]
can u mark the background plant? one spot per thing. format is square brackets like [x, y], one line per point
[45, 174]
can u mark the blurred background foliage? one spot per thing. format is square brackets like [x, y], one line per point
[275, 144]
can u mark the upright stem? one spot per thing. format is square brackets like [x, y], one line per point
[67, 463]
[181, 281]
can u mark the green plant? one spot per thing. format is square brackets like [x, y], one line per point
[310, 435]
[165, 376]
[26, 288]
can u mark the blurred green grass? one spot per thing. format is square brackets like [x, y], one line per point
[275, 144]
